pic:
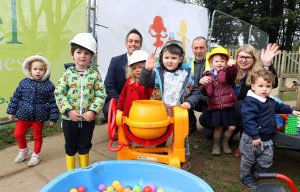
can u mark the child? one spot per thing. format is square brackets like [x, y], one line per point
[173, 82]
[258, 120]
[33, 103]
[133, 89]
[80, 95]
[221, 97]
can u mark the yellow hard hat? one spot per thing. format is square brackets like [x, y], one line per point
[218, 50]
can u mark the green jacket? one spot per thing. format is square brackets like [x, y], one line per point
[73, 92]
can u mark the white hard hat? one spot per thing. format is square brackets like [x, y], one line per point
[85, 40]
[138, 56]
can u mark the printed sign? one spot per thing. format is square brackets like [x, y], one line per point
[36, 27]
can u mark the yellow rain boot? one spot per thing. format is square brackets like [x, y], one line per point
[83, 160]
[70, 162]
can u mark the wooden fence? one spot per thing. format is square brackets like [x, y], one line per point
[287, 62]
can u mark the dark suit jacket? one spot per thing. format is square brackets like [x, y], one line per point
[116, 76]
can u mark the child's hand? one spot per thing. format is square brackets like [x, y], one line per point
[11, 117]
[256, 142]
[74, 115]
[205, 80]
[150, 63]
[186, 105]
[89, 116]
[231, 62]
[52, 123]
[296, 112]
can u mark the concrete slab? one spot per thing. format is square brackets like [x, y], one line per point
[20, 177]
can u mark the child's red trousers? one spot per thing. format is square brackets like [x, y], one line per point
[21, 129]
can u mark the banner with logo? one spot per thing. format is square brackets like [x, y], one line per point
[42, 27]
[157, 20]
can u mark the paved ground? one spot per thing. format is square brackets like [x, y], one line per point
[20, 177]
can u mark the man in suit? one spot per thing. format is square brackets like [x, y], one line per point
[116, 74]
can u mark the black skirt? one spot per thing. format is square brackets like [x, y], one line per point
[223, 117]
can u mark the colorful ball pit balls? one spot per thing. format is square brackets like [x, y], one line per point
[115, 183]
[110, 188]
[81, 189]
[137, 188]
[127, 189]
[147, 189]
[152, 187]
[160, 190]
[101, 188]
[73, 190]
[119, 188]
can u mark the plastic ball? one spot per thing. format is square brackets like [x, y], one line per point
[137, 188]
[127, 189]
[101, 187]
[119, 188]
[128, 186]
[73, 190]
[147, 189]
[115, 184]
[160, 190]
[152, 187]
[110, 188]
[81, 189]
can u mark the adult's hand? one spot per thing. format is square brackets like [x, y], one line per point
[269, 53]
[150, 63]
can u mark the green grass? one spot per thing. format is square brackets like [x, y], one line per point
[289, 96]
[7, 131]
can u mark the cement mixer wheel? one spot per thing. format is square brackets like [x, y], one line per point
[111, 120]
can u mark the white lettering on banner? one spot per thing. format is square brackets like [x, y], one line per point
[11, 64]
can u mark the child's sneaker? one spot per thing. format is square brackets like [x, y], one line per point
[23, 154]
[34, 160]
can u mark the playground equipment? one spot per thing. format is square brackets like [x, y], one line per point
[274, 187]
[148, 125]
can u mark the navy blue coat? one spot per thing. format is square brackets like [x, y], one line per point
[34, 101]
[115, 79]
[258, 116]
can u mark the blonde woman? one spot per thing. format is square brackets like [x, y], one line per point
[248, 62]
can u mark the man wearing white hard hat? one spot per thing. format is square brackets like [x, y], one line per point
[116, 74]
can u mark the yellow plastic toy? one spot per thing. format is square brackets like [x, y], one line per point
[148, 125]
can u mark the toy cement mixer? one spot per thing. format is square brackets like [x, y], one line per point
[146, 127]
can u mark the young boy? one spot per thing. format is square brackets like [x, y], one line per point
[80, 95]
[173, 82]
[258, 119]
[33, 103]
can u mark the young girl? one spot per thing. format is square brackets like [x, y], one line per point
[133, 89]
[80, 95]
[33, 103]
[173, 82]
[221, 97]
[258, 120]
